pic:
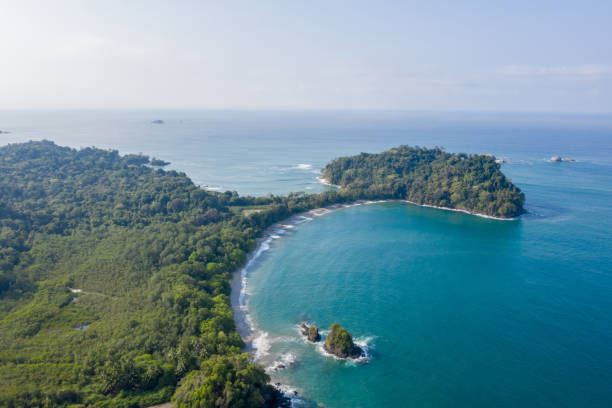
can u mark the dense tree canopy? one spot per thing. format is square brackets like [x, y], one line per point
[114, 275]
[430, 176]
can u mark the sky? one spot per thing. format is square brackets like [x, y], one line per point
[521, 56]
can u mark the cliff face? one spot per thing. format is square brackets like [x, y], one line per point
[340, 343]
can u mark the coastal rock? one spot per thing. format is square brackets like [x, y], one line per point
[311, 332]
[555, 159]
[500, 161]
[568, 159]
[339, 342]
[274, 396]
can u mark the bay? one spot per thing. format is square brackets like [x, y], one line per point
[456, 310]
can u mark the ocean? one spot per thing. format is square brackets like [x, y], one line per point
[455, 310]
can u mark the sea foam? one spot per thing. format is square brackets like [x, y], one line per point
[302, 166]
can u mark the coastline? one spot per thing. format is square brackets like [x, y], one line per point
[239, 281]
[491, 217]
[256, 342]
[238, 296]
[323, 180]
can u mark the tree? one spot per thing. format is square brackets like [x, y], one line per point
[224, 382]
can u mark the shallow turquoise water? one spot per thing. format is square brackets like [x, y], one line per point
[458, 311]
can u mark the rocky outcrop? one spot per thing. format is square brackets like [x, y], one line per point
[339, 342]
[311, 332]
[557, 159]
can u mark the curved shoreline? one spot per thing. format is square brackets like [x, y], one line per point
[323, 180]
[255, 339]
[239, 281]
[238, 296]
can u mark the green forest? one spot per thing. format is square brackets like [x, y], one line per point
[472, 182]
[114, 275]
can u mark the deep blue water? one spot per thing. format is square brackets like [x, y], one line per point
[456, 310]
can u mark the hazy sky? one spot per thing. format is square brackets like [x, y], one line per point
[427, 55]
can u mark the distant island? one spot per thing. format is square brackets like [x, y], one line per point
[557, 159]
[114, 275]
[158, 122]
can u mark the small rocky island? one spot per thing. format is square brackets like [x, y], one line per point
[558, 159]
[338, 342]
[157, 122]
[311, 332]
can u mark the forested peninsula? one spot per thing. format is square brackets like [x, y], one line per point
[473, 183]
[114, 275]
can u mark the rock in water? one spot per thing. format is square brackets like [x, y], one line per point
[339, 342]
[568, 159]
[313, 334]
[158, 122]
[555, 159]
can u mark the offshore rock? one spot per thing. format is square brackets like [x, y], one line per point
[311, 332]
[339, 342]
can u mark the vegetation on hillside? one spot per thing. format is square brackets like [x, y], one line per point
[430, 176]
[114, 278]
[340, 342]
[114, 281]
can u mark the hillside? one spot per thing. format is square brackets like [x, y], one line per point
[114, 279]
[114, 275]
[473, 182]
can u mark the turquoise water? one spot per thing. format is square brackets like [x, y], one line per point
[456, 310]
